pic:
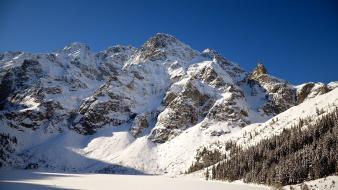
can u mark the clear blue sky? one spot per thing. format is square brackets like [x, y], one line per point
[296, 39]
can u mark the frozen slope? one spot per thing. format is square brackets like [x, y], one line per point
[312, 108]
[175, 156]
[22, 180]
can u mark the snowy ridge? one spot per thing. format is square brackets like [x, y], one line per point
[287, 119]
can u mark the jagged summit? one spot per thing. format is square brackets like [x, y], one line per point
[213, 54]
[161, 46]
[117, 52]
[118, 49]
[259, 70]
[164, 46]
[76, 46]
[161, 40]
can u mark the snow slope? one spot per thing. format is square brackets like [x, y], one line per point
[22, 180]
[252, 134]
[327, 183]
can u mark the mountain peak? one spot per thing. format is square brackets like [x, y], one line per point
[162, 46]
[76, 46]
[213, 54]
[259, 70]
[161, 40]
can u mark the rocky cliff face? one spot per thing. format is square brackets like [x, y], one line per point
[280, 94]
[157, 91]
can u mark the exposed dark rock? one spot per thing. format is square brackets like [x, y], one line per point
[7, 146]
[18, 79]
[140, 123]
[280, 95]
[259, 70]
[181, 112]
[162, 45]
[311, 88]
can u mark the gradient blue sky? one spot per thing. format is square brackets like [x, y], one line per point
[296, 39]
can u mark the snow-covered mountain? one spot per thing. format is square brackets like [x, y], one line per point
[139, 110]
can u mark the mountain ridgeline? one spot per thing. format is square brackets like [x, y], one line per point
[139, 108]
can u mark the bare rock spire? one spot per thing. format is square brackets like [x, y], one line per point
[260, 69]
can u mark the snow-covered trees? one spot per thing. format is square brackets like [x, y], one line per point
[205, 158]
[297, 154]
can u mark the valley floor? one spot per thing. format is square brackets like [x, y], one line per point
[30, 179]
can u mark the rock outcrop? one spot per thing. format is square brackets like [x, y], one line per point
[280, 94]
[310, 90]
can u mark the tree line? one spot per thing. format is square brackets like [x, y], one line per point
[303, 152]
